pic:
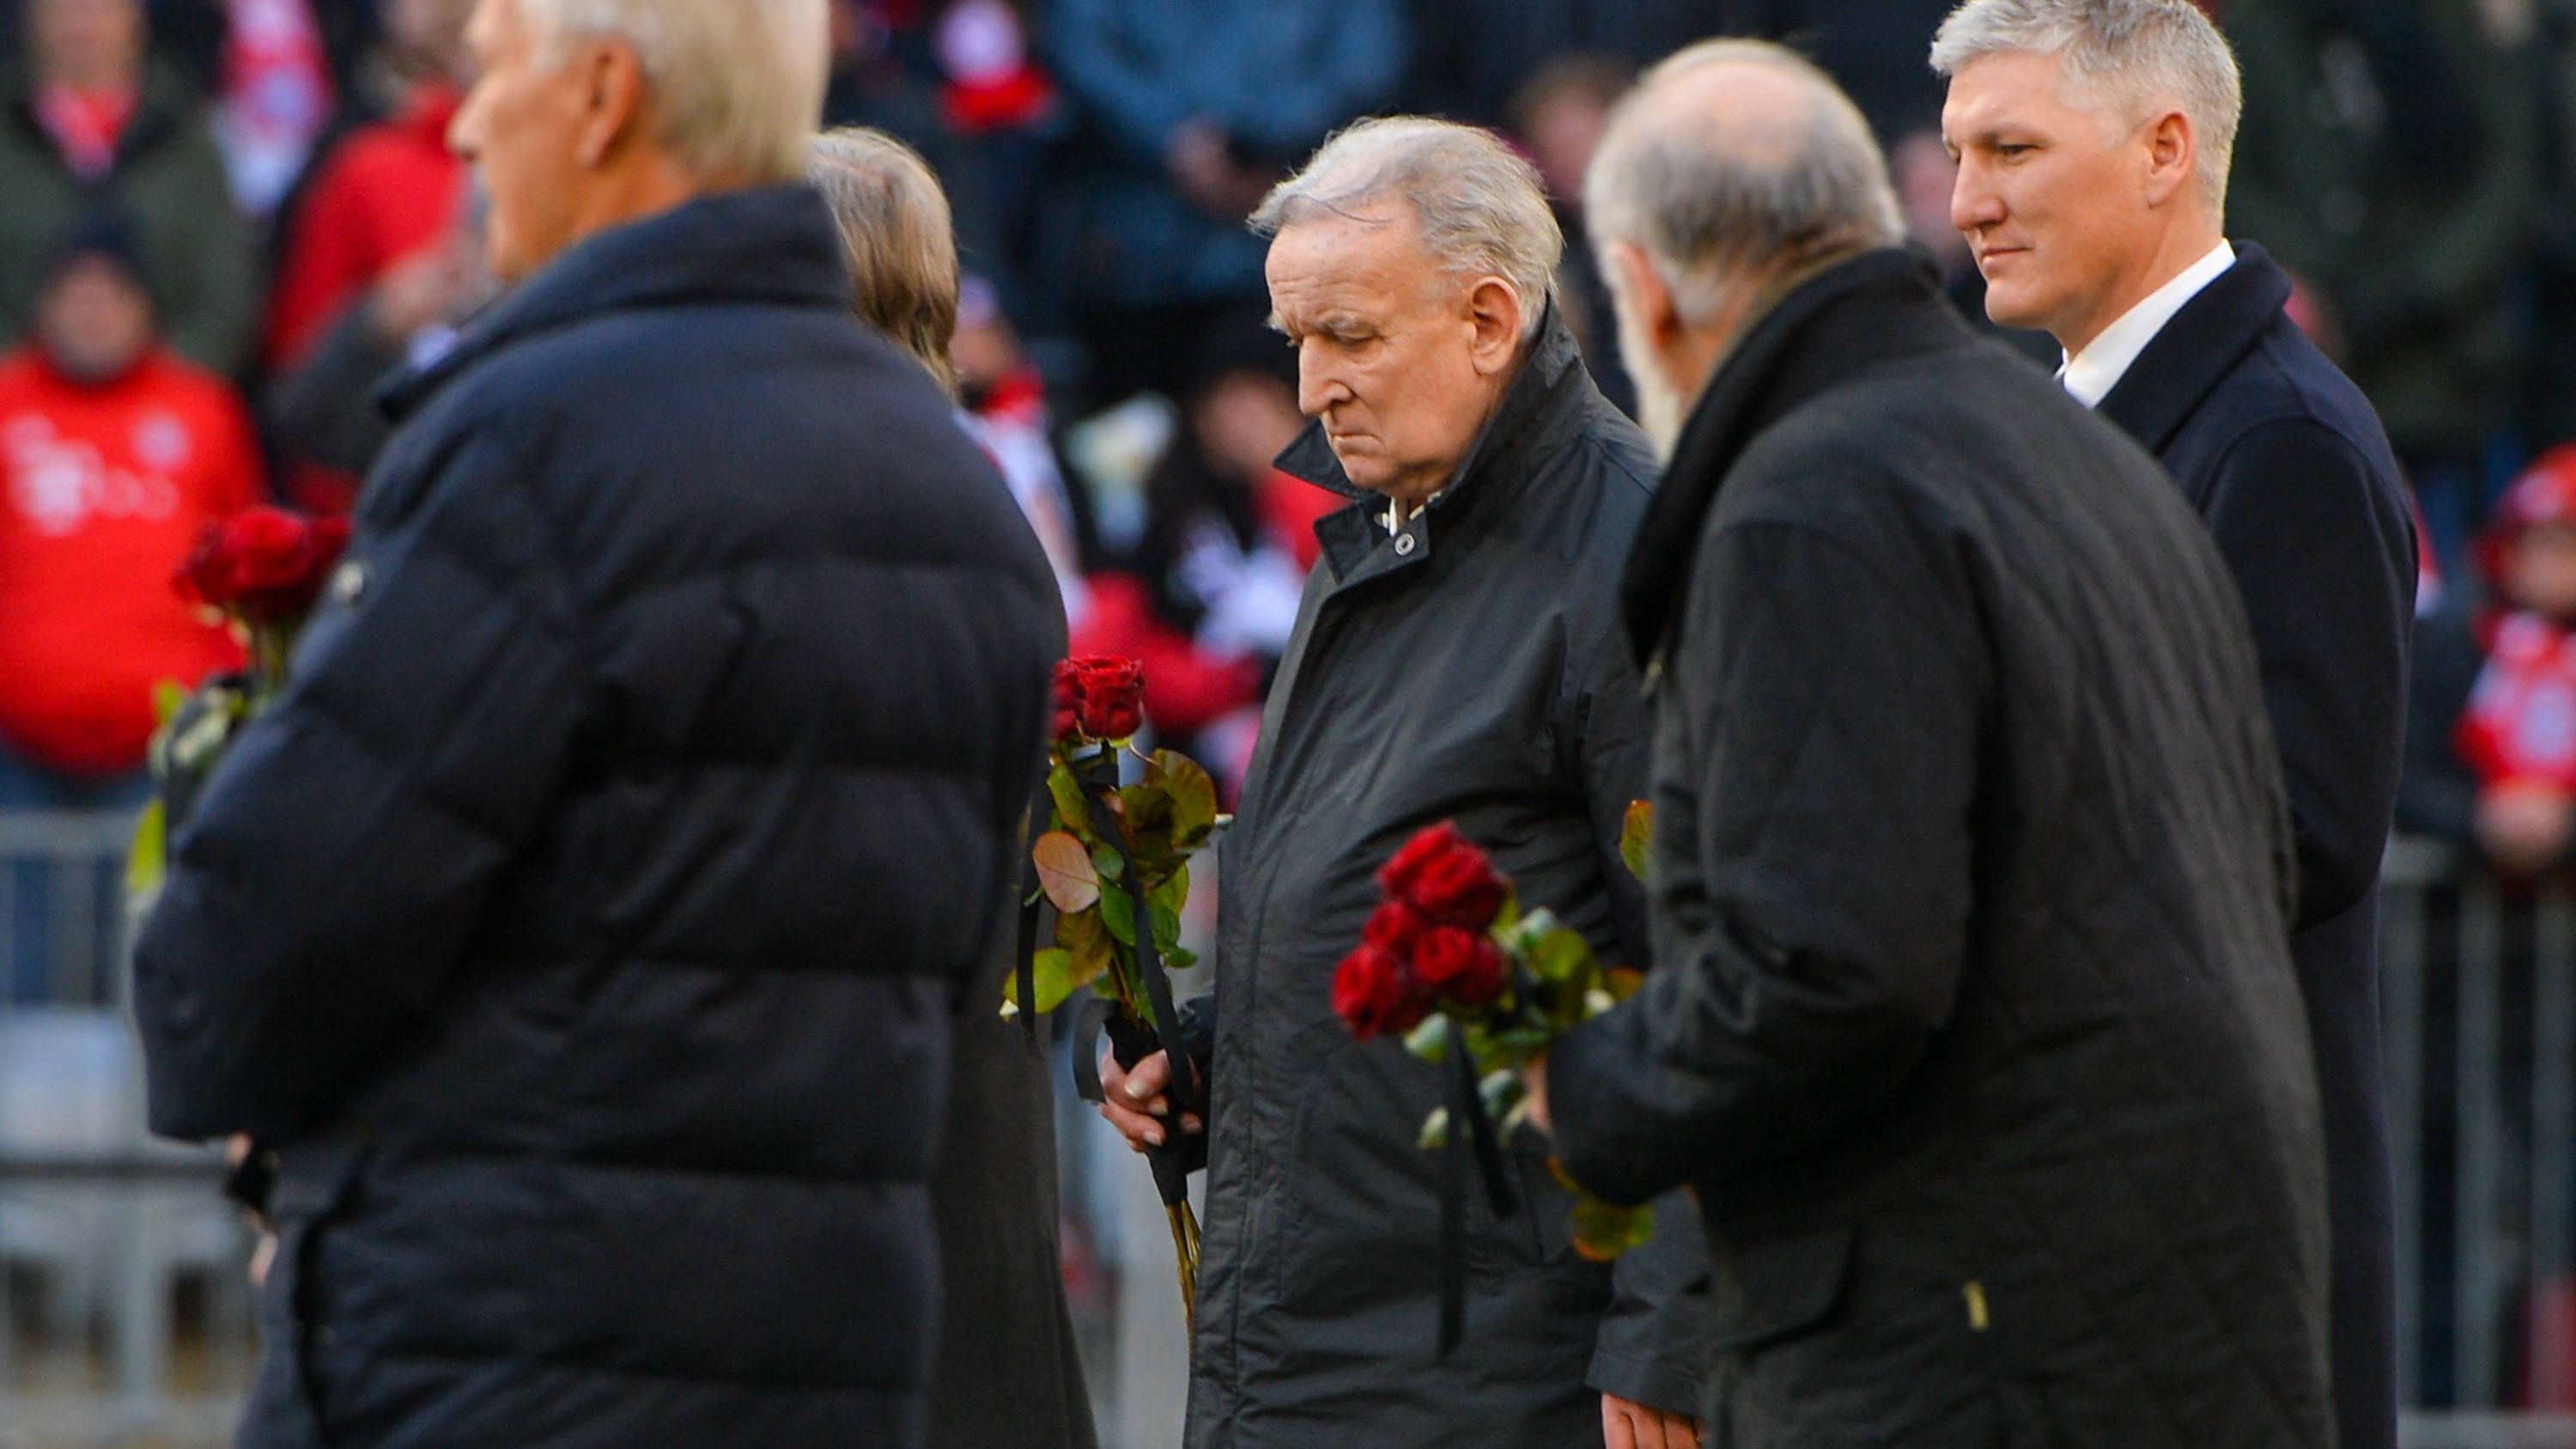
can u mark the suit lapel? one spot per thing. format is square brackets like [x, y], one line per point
[2197, 349]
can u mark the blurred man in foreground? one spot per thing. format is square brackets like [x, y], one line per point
[584, 927]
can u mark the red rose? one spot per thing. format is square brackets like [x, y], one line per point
[1460, 888]
[1459, 965]
[1397, 876]
[265, 564]
[1394, 927]
[1373, 994]
[1101, 695]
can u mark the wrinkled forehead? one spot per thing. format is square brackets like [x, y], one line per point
[1370, 261]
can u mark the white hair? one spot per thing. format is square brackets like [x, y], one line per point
[737, 84]
[1763, 192]
[1482, 208]
[2123, 57]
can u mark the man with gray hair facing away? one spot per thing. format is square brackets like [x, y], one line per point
[1973, 1022]
[2093, 139]
[584, 930]
[1456, 657]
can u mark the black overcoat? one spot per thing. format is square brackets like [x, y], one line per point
[1469, 668]
[588, 921]
[1973, 1018]
[2286, 461]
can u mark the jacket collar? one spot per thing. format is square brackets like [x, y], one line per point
[1879, 305]
[2197, 349]
[1549, 390]
[773, 244]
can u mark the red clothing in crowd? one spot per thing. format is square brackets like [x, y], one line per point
[2520, 727]
[386, 193]
[102, 490]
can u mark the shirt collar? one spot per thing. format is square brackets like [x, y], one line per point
[2091, 374]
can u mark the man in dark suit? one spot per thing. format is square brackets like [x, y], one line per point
[1973, 1022]
[2093, 140]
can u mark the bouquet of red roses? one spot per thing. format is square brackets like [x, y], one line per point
[260, 571]
[1453, 965]
[1114, 863]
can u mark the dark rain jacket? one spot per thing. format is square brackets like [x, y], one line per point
[1468, 668]
[1973, 1019]
[587, 923]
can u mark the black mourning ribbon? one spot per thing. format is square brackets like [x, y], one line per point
[1471, 1134]
[1041, 807]
[1130, 1040]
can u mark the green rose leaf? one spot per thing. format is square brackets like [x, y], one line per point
[1173, 894]
[1601, 1232]
[148, 864]
[1065, 872]
[1071, 810]
[1637, 836]
[1193, 798]
[1053, 970]
[1093, 950]
[1560, 956]
[1104, 859]
[1430, 1041]
[1118, 913]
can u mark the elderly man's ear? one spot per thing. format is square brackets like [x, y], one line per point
[613, 100]
[1494, 309]
[1640, 284]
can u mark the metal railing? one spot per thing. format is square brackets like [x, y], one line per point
[124, 1318]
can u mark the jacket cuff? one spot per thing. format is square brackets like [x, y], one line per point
[1664, 1384]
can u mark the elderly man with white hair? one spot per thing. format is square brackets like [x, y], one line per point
[2093, 139]
[1456, 657]
[1973, 1022]
[581, 934]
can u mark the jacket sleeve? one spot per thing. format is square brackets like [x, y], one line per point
[1831, 695]
[1652, 1348]
[343, 855]
[2324, 558]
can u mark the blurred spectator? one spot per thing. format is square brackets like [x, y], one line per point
[2390, 157]
[387, 194]
[1188, 111]
[322, 412]
[1471, 56]
[112, 453]
[2516, 733]
[90, 124]
[1557, 118]
[275, 97]
[1006, 410]
[1210, 595]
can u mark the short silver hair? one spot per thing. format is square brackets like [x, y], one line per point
[2124, 57]
[1771, 192]
[737, 84]
[1482, 208]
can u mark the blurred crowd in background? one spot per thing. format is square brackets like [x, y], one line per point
[222, 221]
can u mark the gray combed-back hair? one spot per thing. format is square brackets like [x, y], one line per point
[1482, 208]
[1764, 195]
[737, 84]
[2124, 58]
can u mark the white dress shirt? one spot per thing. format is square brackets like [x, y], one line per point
[2091, 374]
